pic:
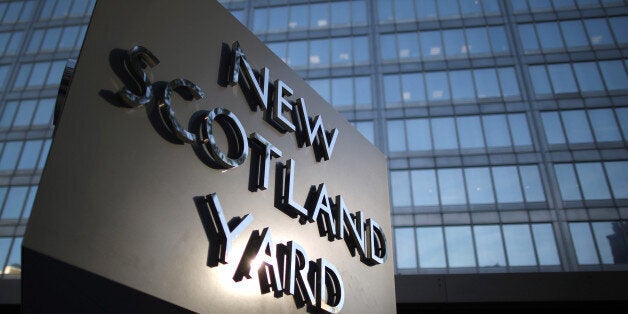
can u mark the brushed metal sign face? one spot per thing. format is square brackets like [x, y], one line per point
[191, 164]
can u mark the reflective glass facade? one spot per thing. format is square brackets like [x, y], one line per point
[505, 123]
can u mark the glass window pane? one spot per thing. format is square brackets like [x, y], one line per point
[477, 40]
[592, 181]
[56, 70]
[528, 37]
[437, 86]
[339, 16]
[424, 189]
[279, 49]
[462, 86]
[611, 242]
[519, 245]
[297, 54]
[431, 45]
[460, 246]
[583, 243]
[498, 39]
[405, 248]
[553, 127]
[412, 88]
[51, 39]
[25, 113]
[622, 116]
[588, 76]
[341, 51]
[363, 98]
[444, 133]
[574, 34]
[620, 28]
[400, 188]
[392, 91]
[479, 186]
[358, 12]
[545, 244]
[15, 259]
[387, 43]
[366, 129]
[507, 185]
[532, 186]
[28, 207]
[44, 154]
[319, 53]
[470, 132]
[426, 9]
[342, 92]
[598, 31]
[519, 129]
[455, 45]
[562, 78]
[260, 20]
[68, 38]
[576, 126]
[471, 8]
[9, 112]
[448, 8]
[488, 240]
[404, 10]
[614, 75]
[567, 182]
[549, 36]
[298, 17]
[419, 135]
[408, 44]
[396, 135]
[451, 187]
[277, 18]
[322, 88]
[30, 154]
[385, 11]
[508, 81]
[38, 77]
[15, 202]
[10, 155]
[486, 82]
[319, 15]
[538, 75]
[360, 50]
[604, 125]
[5, 244]
[431, 247]
[496, 130]
[618, 177]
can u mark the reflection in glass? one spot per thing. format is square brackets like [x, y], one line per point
[618, 178]
[583, 243]
[604, 126]
[507, 185]
[567, 182]
[452, 191]
[479, 186]
[460, 249]
[418, 134]
[400, 188]
[545, 244]
[488, 241]
[532, 187]
[431, 247]
[405, 248]
[519, 245]
[576, 126]
[592, 181]
[424, 188]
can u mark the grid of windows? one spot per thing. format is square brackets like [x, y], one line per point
[424, 190]
[514, 110]
[325, 52]
[458, 86]
[479, 246]
[473, 133]
[579, 77]
[444, 44]
[36, 39]
[585, 126]
[310, 16]
[423, 10]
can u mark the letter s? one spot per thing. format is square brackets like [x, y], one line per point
[139, 58]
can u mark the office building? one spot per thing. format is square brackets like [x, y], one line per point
[505, 122]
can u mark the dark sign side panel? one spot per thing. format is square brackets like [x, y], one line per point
[117, 197]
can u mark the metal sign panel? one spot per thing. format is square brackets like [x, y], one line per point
[192, 165]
